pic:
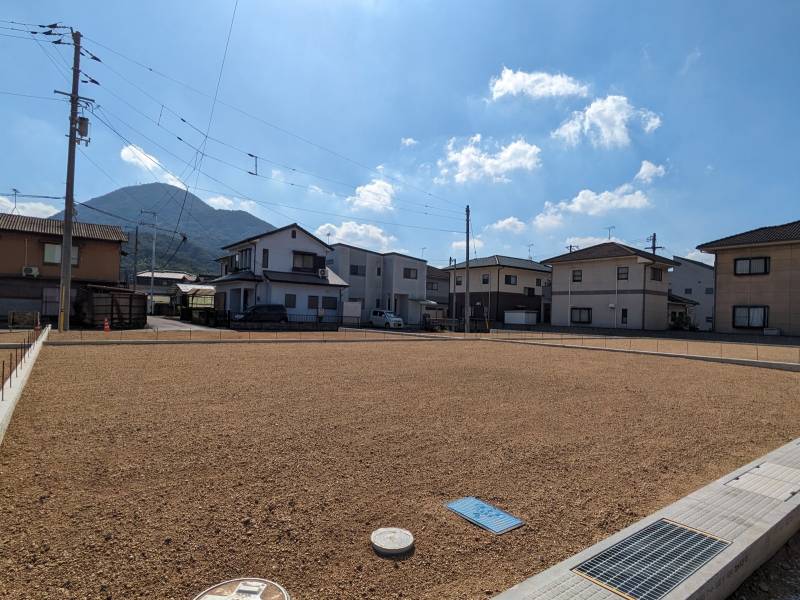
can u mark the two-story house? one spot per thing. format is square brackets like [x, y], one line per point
[30, 261]
[283, 266]
[437, 285]
[387, 280]
[693, 280]
[611, 285]
[501, 283]
[164, 283]
[757, 277]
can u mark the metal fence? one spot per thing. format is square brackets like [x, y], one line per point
[15, 356]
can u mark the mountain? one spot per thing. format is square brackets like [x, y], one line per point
[207, 228]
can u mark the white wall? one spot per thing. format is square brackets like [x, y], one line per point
[277, 295]
[691, 281]
[281, 247]
[525, 278]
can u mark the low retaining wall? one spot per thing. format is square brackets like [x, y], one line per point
[12, 390]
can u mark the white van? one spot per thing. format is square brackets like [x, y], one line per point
[385, 318]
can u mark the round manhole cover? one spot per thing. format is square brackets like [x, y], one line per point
[245, 589]
[391, 541]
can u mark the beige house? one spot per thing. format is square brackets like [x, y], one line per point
[757, 280]
[611, 285]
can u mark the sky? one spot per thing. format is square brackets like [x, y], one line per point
[376, 123]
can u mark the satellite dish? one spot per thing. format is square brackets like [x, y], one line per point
[245, 589]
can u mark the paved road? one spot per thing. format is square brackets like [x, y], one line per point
[164, 324]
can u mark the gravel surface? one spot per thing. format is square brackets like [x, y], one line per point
[155, 471]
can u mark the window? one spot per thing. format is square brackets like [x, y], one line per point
[485, 279]
[329, 302]
[511, 279]
[409, 273]
[303, 261]
[265, 258]
[459, 280]
[751, 266]
[379, 271]
[245, 258]
[52, 255]
[360, 270]
[294, 233]
[290, 301]
[752, 317]
[710, 290]
[432, 286]
[624, 316]
[313, 302]
[581, 315]
[577, 275]
[656, 274]
[622, 273]
[529, 291]
[538, 282]
[687, 290]
[709, 320]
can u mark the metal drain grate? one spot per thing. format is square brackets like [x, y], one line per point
[652, 561]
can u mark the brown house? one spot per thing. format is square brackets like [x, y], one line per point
[757, 280]
[30, 259]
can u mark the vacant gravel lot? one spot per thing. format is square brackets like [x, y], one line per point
[154, 471]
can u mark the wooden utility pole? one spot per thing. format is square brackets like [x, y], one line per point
[136, 258]
[69, 196]
[653, 239]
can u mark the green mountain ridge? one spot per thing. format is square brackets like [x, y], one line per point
[207, 229]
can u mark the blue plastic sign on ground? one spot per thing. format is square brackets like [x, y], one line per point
[484, 515]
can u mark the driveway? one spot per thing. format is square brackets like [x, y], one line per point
[164, 324]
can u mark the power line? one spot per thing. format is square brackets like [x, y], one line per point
[268, 123]
[21, 95]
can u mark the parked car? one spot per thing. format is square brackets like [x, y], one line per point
[385, 318]
[263, 313]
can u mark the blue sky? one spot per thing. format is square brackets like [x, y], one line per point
[552, 120]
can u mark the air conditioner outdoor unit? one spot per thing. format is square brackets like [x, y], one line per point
[322, 273]
[30, 271]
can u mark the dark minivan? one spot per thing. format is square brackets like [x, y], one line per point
[263, 313]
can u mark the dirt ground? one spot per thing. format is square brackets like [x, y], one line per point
[777, 579]
[155, 471]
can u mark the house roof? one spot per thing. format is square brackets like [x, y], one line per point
[675, 299]
[284, 228]
[195, 289]
[179, 275]
[332, 279]
[497, 260]
[238, 276]
[608, 250]
[683, 259]
[86, 231]
[788, 232]
[377, 253]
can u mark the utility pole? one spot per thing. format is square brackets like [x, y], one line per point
[451, 262]
[136, 259]
[610, 228]
[653, 239]
[467, 310]
[422, 254]
[69, 201]
[153, 258]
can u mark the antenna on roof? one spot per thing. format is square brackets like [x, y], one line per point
[610, 228]
[530, 254]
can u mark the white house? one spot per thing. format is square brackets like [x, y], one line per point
[611, 285]
[695, 281]
[387, 280]
[284, 266]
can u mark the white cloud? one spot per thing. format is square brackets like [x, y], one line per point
[509, 225]
[221, 202]
[247, 205]
[277, 174]
[357, 234]
[408, 141]
[690, 60]
[471, 163]
[605, 122]
[29, 209]
[590, 240]
[474, 244]
[134, 155]
[535, 85]
[649, 171]
[701, 256]
[377, 195]
[591, 203]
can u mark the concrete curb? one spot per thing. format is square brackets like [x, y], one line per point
[12, 390]
[755, 523]
[263, 341]
[763, 364]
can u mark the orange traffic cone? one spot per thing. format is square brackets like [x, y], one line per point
[106, 326]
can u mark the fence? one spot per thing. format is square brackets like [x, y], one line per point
[16, 356]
